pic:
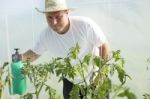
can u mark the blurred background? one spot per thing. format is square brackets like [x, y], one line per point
[126, 24]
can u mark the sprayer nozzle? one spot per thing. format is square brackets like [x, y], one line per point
[16, 57]
[16, 49]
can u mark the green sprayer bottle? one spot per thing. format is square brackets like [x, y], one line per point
[19, 84]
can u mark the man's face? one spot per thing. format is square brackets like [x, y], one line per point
[58, 21]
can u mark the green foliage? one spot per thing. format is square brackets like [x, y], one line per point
[27, 96]
[128, 94]
[5, 77]
[38, 75]
[75, 92]
[99, 86]
[51, 92]
[146, 96]
[74, 51]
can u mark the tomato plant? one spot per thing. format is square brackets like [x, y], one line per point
[98, 87]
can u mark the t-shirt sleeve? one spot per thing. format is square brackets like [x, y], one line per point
[40, 46]
[95, 35]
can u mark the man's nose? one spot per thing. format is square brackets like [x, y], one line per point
[54, 21]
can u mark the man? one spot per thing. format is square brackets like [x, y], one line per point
[63, 32]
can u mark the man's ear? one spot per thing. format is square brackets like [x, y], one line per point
[67, 11]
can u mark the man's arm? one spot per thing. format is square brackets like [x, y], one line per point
[104, 50]
[30, 55]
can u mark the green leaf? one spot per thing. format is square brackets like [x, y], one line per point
[83, 90]
[87, 59]
[116, 55]
[122, 62]
[5, 64]
[97, 61]
[146, 96]
[79, 71]
[74, 51]
[121, 73]
[28, 96]
[74, 94]
[128, 94]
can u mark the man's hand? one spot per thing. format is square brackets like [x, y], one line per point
[30, 55]
[104, 50]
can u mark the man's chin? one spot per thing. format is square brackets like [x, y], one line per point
[58, 31]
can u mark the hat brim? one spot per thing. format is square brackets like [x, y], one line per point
[54, 10]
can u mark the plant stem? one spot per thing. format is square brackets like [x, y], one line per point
[37, 96]
[38, 92]
[0, 93]
[83, 79]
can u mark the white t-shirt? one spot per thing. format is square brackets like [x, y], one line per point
[82, 30]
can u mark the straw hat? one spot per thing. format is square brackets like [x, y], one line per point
[54, 5]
